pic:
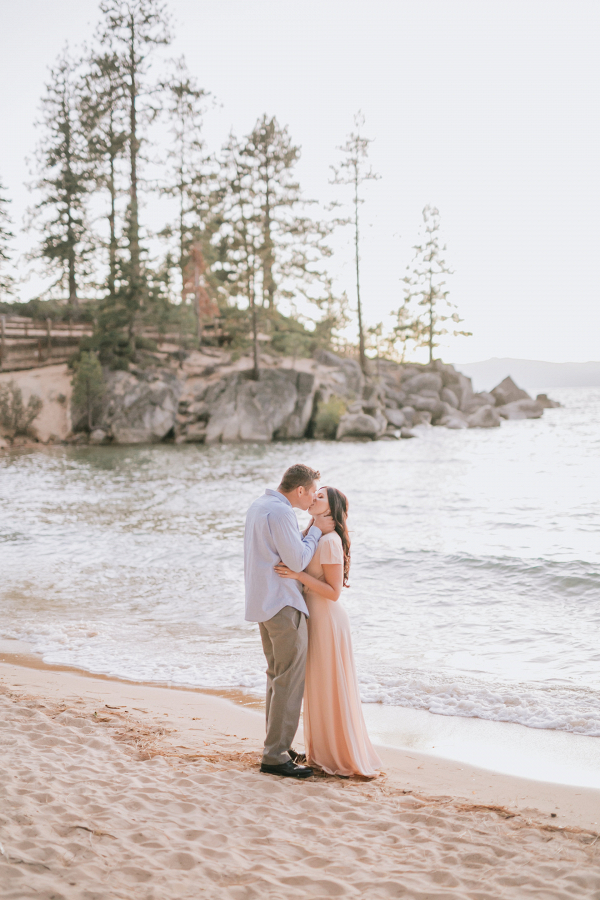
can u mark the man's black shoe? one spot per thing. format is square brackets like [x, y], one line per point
[297, 757]
[287, 770]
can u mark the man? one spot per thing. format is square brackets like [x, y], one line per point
[272, 535]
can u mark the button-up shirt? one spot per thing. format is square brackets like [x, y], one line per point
[273, 535]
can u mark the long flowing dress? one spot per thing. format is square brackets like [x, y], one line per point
[335, 733]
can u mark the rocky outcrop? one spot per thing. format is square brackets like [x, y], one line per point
[236, 408]
[546, 403]
[212, 398]
[140, 407]
[508, 392]
[521, 409]
[484, 417]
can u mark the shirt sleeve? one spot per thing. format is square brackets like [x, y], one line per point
[332, 552]
[295, 551]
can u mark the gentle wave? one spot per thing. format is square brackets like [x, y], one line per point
[561, 709]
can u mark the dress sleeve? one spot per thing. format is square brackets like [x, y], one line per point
[332, 552]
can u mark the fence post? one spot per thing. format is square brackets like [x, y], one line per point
[2, 340]
[48, 338]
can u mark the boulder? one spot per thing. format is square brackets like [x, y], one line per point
[246, 410]
[397, 397]
[508, 392]
[409, 414]
[453, 421]
[421, 417]
[430, 381]
[546, 403]
[477, 401]
[395, 417]
[449, 397]
[406, 433]
[351, 380]
[463, 388]
[140, 408]
[521, 409]
[431, 404]
[484, 417]
[295, 427]
[3, 444]
[358, 425]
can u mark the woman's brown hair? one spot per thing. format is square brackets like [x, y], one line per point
[338, 507]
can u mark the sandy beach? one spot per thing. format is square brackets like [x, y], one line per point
[123, 790]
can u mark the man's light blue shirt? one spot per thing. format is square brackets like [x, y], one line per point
[272, 535]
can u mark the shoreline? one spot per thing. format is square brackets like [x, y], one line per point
[229, 723]
[504, 748]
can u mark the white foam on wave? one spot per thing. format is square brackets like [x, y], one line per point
[553, 707]
[81, 645]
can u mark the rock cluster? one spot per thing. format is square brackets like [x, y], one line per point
[327, 397]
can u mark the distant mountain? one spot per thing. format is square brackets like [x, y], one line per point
[531, 373]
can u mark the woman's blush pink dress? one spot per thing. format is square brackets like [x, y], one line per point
[334, 728]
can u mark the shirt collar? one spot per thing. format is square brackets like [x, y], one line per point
[278, 495]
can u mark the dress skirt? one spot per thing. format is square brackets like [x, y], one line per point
[335, 733]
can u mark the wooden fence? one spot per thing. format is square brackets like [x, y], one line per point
[26, 343]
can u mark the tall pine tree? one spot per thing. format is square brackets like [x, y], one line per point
[425, 286]
[134, 29]
[354, 171]
[190, 179]
[292, 244]
[105, 124]
[64, 180]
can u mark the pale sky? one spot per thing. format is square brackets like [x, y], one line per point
[488, 109]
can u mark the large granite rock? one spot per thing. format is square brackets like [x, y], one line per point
[546, 403]
[278, 405]
[484, 417]
[426, 381]
[396, 417]
[521, 409]
[355, 426]
[508, 392]
[350, 379]
[140, 407]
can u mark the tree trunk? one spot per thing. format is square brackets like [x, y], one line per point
[112, 246]
[361, 336]
[268, 282]
[134, 228]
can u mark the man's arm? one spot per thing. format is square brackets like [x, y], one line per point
[295, 551]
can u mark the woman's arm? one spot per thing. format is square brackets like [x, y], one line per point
[331, 588]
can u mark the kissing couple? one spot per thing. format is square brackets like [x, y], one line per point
[293, 584]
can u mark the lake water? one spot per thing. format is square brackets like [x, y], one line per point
[475, 581]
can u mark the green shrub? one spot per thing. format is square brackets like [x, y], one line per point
[88, 386]
[328, 418]
[15, 417]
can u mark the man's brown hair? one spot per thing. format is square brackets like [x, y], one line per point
[298, 476]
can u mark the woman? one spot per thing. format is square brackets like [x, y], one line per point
[334, 729]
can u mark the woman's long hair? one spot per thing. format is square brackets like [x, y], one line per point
[338, 507]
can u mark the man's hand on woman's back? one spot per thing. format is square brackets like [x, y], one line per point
[325, 523]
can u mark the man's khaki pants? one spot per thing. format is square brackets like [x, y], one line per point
[285, 641]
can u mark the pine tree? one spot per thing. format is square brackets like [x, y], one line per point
[134, 29]
[292, 244]
[88, 386]
[239, 236]
[105, 125]
[191, 182]
[353, 171]
[425, 284]
[6, 236]
[64, 179]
